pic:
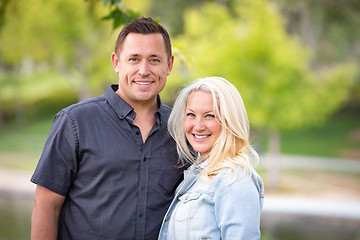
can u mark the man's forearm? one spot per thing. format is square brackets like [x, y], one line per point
[44, 225]
[46, 213]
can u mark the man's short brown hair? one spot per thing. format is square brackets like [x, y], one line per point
[143, 26]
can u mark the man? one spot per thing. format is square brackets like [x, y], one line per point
[109, 167]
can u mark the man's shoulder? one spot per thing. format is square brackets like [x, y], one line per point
[166, 107]
[83, 109]
[165, 110]
[85, 105]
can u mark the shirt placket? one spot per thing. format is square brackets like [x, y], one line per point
[142, 185]
[143, 175]
[143, 192]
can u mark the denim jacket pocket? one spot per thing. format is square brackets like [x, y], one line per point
[186, 208]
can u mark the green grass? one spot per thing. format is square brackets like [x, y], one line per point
[21, 146]
[28, 138]
[330, 140]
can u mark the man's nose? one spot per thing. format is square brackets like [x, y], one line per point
[144, 68]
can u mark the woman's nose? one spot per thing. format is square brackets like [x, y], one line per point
[199, 125]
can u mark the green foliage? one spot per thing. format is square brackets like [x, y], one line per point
[270, 69]
[121, 17]
[119, 13]
[179, 77]
[41, 29]
[329, 29]
[53, 47]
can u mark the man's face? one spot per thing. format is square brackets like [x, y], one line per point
[143, 67]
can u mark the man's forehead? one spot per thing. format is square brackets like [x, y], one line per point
[136, 44]
[150, 37]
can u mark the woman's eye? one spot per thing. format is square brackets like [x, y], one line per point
[190, 114]
[210, 116]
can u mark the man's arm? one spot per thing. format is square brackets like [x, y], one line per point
[46, 212]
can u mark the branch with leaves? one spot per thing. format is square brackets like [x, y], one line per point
[119, 13]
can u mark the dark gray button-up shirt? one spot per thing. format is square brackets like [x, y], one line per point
[116, 186]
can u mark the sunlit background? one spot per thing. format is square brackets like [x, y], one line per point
[295, 63]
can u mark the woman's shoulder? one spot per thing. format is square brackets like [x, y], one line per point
[240, 186]
[240, 177]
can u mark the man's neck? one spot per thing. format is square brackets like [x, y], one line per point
[145, 120]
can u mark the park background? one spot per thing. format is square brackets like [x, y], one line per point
[295, 63]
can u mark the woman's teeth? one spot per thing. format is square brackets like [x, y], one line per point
[201, 137]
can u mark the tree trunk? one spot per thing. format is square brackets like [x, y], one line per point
[2, 121]
[274, 159]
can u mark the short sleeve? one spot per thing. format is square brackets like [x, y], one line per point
[57, 166]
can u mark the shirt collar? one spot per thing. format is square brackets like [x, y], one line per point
[123, 109]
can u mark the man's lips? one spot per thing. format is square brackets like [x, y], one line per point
[142, 83]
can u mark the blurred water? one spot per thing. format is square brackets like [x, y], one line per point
[310, 218]
[283, 218]
[15, 217]
[306, 227]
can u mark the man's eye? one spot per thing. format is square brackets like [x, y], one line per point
[155, 60]
[132, 59]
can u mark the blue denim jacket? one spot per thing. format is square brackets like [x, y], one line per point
[220, 208]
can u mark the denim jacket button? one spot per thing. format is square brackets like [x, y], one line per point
[167, 218]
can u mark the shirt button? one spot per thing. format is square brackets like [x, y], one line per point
[137, 133]
[144, 159]
[143, 188]
[140, 215]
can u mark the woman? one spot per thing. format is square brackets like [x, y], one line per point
[221, 196]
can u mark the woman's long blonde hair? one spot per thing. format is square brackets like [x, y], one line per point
[232, 148]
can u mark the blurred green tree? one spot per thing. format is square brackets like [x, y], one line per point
[329, 29]
[61, 38]
[270, 69]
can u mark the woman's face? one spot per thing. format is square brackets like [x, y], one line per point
[201, 126]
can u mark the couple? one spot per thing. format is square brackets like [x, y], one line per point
[110, 167]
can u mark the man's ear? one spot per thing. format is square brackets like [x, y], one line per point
[170, 65]
[115, 62]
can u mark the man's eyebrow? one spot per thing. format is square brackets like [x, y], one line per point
[138, 55]
[133, 55]
[155, 55]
